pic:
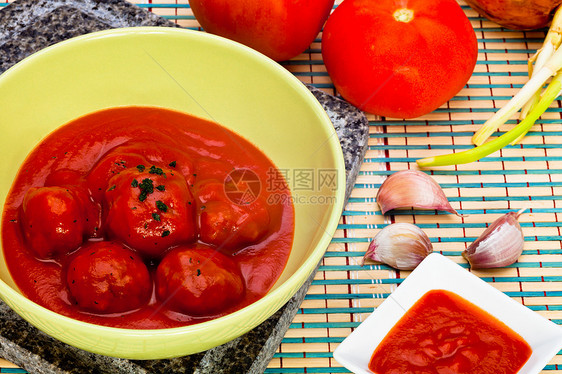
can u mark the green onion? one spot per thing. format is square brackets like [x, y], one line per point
[548, 61]
[476, 153]
[550, 44]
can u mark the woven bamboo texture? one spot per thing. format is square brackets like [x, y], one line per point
[528, 175]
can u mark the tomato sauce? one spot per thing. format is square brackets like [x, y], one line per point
[146, 218]
[444, 333]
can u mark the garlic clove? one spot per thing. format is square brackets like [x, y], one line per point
[412, 188]
[400, 245]
[499, 245]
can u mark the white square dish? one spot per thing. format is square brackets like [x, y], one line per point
[438, 272]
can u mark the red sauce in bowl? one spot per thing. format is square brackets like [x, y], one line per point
[146, 218]
[444, 333]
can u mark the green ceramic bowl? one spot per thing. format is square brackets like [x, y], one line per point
[193, 72]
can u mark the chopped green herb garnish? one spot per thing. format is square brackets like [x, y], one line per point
[111, 188]
[198, 272]
[161, 187]
[172, 164]
[135, 183]
[156, 217]
[154, 170]
[165, 233]
[160, 205]
[146, 187]
[141, 168]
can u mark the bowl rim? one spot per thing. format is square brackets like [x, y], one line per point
[298, 277]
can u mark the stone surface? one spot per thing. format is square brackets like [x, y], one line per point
[352, 128]
[27, 26]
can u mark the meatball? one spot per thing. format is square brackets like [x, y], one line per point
[114, 162]
[138, 152]
[150, 209]
[52, 221]
[199, 281]
[228, 225]
[210, 168]
[64, 177]
[77, 185]
[106, 277]
[168, 155]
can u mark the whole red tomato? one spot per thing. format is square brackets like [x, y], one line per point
[280, 29]
[400, 59]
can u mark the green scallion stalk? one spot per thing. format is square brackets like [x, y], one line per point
[551, 43]
[502, 115]
[547, 62]
[476, 153]
[540, 59]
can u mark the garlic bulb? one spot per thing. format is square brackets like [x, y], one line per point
[412, 188]
[400, 245]
[500, 244]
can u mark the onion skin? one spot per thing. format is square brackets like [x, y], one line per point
[500, 244]
[517, 14]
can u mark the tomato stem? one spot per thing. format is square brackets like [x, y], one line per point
[404, 15]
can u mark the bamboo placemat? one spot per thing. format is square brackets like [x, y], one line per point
[526, 175]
